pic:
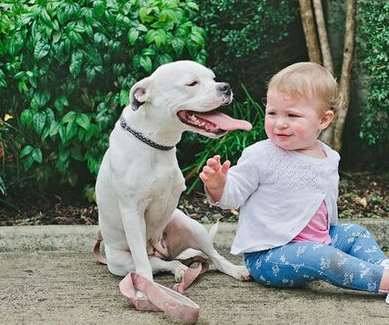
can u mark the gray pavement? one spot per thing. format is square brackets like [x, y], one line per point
[49, 276]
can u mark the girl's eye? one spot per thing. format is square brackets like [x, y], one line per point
[270, 113]
[193, 83]
[293, 115]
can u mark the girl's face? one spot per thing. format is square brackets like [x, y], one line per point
[294, 123]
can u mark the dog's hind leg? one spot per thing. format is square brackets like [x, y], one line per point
[189, 253]
[199, 238]
[175, 267]
[120, 263]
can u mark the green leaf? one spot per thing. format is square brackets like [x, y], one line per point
[63, 161]
[132, 36]
[38, 122]
[76, 63]
[93, 129]
[41, 50]
[124, 97]
[26, 117]
[69, 117]
[178, 45]
[99, 7]
[46, 18]
[22, 86]
[62, 133]
[53, 130]
[100, 38]
[71, 131]
[56, 36]
[83, 121]
[145, 63]
[93, 55]
[127, 7]
[50, 116]
[27, 162]
[90, 74]
[150, 36]
[41, 98]
[149, 52]
[196, 37]
[193, 6]
[26, 151]
[164, 58]
[60, 102]
[144, 14]
[162, 16]
[33, 82]
[3, 81]
[36, 155]
[160, 38]
[81, 134]
[75, 38]
[142, 28]
[136, 61]
[17, 43]
[171, 15]
[88, 15]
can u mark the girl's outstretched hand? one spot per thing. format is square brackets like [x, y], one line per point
[213, 176]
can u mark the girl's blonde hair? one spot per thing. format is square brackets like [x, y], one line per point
[306, 79]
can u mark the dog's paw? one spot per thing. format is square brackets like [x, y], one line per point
[179, 271]
[241, 273]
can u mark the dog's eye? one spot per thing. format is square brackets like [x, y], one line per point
[193, 83]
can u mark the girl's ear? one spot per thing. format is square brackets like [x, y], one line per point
[326, 119]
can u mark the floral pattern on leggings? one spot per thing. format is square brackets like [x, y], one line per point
[350, 261]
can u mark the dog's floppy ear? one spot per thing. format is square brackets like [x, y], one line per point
[140, 93]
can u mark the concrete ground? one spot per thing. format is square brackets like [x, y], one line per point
[49, 276]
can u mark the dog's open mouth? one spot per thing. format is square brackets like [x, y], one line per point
[213, 122]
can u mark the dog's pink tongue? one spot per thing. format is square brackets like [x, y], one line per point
[225, 122]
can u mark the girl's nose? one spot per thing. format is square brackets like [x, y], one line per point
[281, 123]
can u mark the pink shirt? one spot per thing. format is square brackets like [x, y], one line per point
[317, 230]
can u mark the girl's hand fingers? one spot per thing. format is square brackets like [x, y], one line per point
[203, 177]
[226, 165]
[208, 171]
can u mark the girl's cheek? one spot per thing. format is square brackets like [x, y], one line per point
[268, 127]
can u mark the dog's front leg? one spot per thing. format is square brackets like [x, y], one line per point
[135, 229]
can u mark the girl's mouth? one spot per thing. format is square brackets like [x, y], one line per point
[283, 136]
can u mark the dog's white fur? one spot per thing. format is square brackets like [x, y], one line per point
[138, 187]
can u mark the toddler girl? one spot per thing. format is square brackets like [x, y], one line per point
[286, 188]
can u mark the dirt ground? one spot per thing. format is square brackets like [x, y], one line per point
[72, 288]
[360, 195]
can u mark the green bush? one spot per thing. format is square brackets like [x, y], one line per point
[66, 68]
[247, 41]
[373, 31]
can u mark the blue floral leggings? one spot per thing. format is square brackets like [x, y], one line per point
[350, 261]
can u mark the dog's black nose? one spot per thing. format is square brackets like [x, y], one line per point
[224, 88]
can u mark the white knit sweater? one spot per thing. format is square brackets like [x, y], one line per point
[278, 192]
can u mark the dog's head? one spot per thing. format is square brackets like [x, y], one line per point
[185, 95]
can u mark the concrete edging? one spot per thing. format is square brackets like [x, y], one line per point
[77, 238]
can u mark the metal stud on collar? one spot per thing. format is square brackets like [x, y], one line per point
[142, 138]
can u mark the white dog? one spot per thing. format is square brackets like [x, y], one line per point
[140, 182]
